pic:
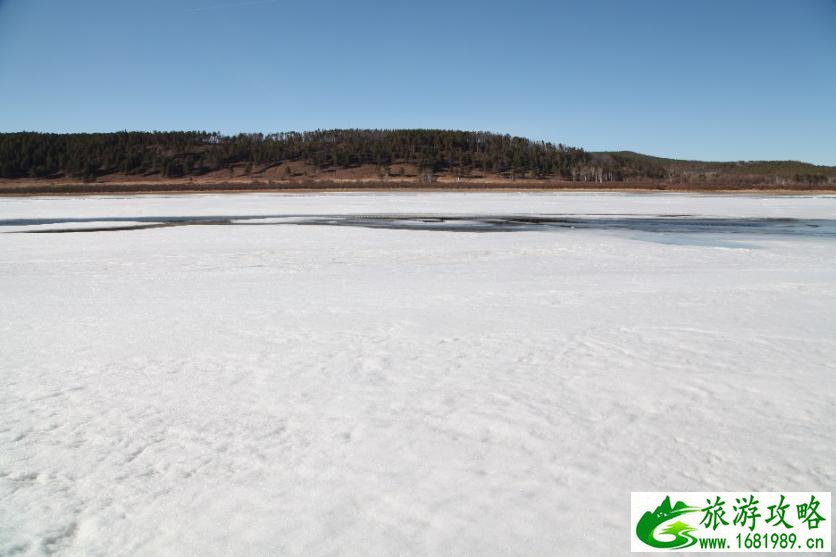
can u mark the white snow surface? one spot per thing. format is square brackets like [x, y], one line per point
[316, 390]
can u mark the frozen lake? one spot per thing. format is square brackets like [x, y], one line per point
[467, 374]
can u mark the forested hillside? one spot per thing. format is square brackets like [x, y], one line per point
[176, 154]
[627, 165]
[138, 156]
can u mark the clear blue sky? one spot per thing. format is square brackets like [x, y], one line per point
[707, 79]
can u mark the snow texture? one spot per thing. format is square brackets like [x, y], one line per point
[342, 390]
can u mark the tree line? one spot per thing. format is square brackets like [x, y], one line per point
[179, 154]
[193, 153]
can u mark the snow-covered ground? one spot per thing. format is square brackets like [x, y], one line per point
[324, 390]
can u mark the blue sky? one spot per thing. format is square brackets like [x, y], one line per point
[697, 79]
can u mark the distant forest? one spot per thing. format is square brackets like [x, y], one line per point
[185, 154]
[178, 154]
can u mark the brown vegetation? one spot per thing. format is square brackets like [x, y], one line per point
[302, 178]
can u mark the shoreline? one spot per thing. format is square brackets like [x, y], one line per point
[11, 189]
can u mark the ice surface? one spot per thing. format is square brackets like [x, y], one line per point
[325, 390]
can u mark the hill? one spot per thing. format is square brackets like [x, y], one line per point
[626, 165]
[178, 154]
[43, 162]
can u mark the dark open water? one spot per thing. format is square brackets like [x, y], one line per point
[662, 224]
